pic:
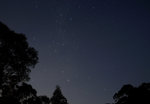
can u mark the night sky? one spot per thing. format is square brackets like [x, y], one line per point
[91, 48]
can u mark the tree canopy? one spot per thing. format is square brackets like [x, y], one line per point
[58, 97]
[16, 58]
[129, 94]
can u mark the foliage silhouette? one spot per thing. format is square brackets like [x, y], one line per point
[16, 60]
[9, 100]
[44, 99]
[25, 92]
[133, 95]
[58, 97]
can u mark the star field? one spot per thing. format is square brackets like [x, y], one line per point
[88, 47]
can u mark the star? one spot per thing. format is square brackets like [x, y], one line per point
[63, 44]
[93, 7]
[62, 71]
[79, 6]
[36, 4]
[34, 38]
[61, 15]
[70, 19]
[68, 80]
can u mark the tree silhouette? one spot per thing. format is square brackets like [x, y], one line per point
[58, 97]
[16, 60]
[133, 95]
[25, 92]
[44, 99]
[9, 100]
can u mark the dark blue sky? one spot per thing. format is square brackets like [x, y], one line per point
[88, 47]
